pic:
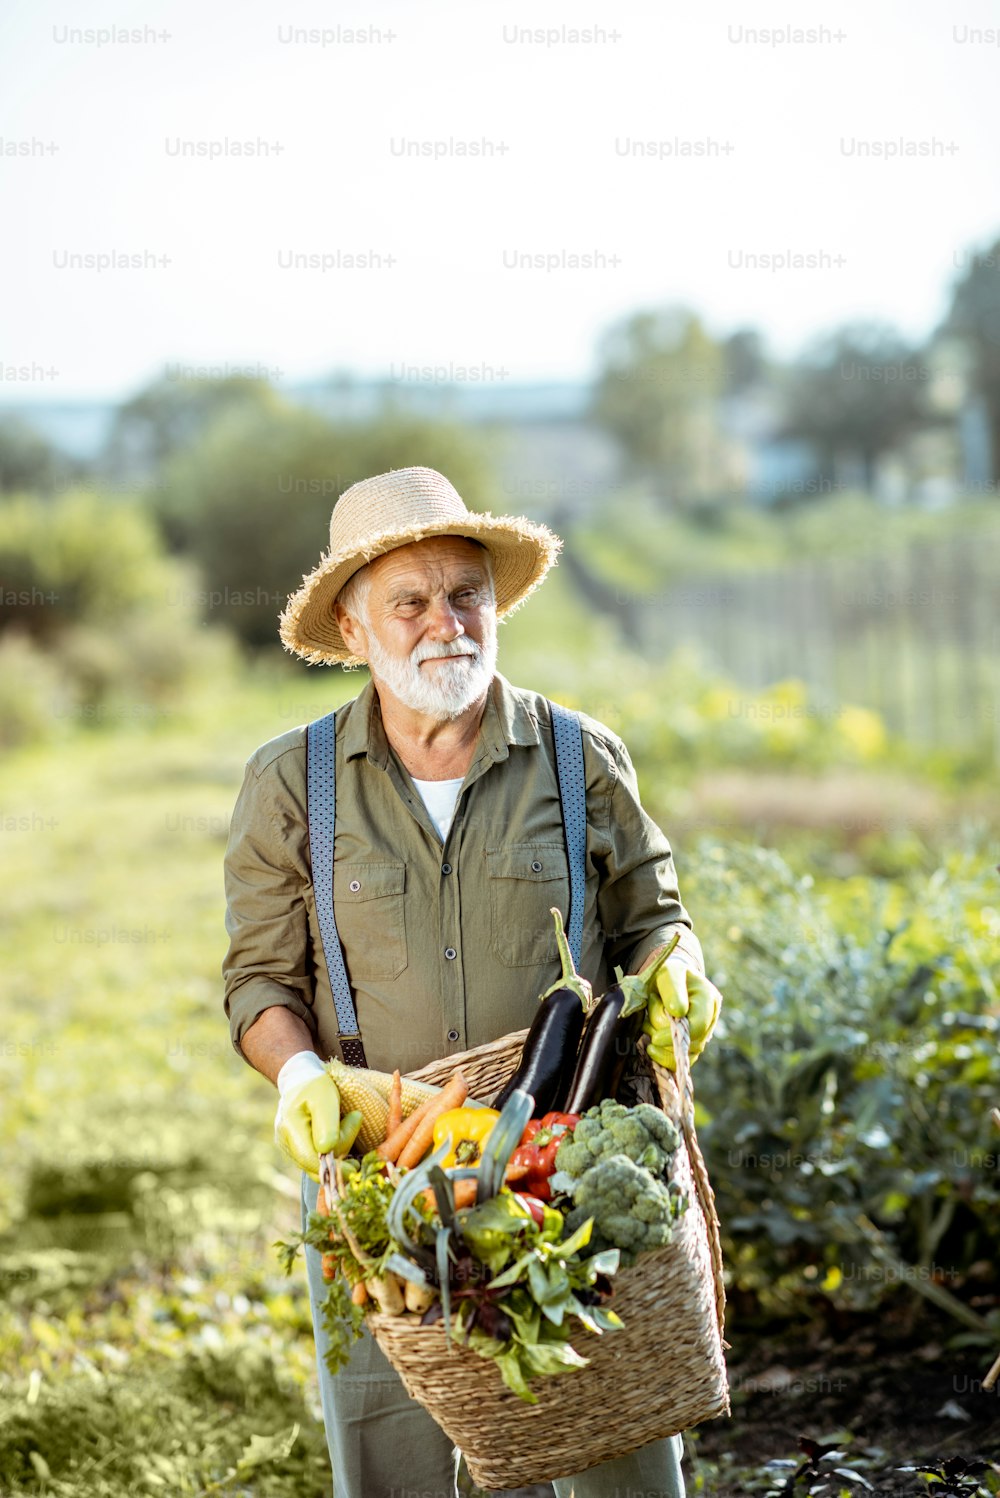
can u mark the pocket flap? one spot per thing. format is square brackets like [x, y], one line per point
[537, 861]
[355, 882]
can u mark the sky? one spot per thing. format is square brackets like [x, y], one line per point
[474, 191]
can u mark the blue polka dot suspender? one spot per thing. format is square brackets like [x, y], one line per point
[568, 737]
[321, 790]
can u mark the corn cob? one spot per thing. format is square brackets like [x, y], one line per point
[357, 1094]
[414, 1093]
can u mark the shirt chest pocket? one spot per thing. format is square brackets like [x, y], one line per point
[368, 904]
[526, 880]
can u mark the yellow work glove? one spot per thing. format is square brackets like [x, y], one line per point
[307, 1123]
[682, 991]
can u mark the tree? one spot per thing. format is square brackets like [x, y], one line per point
[657, 390]
[856, 392]
[168, 415]
[30, 462]
[975, 317]
[250, 499]
[745, 360]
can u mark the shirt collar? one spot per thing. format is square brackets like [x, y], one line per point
[506, 720]
[364, 733]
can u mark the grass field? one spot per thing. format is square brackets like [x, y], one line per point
[146, 1332]
[141, 1190]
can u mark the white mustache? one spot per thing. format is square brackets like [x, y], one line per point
[437, 651]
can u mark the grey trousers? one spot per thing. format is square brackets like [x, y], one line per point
[383, 1444]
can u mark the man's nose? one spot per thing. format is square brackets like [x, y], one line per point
[445, 623]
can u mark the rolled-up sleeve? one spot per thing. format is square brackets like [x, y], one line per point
[639, 902]
[268, 962]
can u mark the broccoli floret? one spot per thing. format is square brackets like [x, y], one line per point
[574, 1156]
[643, 1134]
[632, 1211]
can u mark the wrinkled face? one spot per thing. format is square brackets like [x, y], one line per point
[424, 619]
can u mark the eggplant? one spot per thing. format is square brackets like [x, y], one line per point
[606, 1043]
[548, 1056]
[613, 1029]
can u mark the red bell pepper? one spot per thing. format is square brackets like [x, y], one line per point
[534, 1160]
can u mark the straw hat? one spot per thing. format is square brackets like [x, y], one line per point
[392, 510]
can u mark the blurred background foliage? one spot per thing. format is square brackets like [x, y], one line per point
[839, 868]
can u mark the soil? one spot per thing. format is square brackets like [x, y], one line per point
[903, 1395]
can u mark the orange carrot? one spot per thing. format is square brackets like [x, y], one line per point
[465, 1194]
[420, 1141]
[395, 1103]
[329, 1267]
[322, 1205]
[393, 1145]
[359, 1294]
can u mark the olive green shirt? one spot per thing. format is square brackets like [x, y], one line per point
[447, 946]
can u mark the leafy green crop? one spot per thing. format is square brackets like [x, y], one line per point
[844, 1102]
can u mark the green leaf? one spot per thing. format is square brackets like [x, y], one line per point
[495, 1230]
[547, 1282]
[527, 1323]
[551, 1358]
[577, 1240]
[511, 1275]
[606, 1262]
[265, 1449]
[555, 1310]
[342, 1320]
[512, 1374]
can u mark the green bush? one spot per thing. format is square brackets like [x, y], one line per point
[846, 1097]
[35, 694]
[78, 559]
[96, 621]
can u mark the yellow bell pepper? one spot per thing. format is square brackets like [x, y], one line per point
[469, 1129]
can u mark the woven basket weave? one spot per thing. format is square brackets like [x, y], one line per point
[664, 1372]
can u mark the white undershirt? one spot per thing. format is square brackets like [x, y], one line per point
[440, 798]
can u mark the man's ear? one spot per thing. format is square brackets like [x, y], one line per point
[354, 636]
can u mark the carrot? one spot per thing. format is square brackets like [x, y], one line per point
[393, 1145]
[420, 1141]
[322, 1205]
[329, 1267]
[359, 1295]
[395, 1103]
[465, 1194]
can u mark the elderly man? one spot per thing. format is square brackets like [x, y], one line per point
[449, 852]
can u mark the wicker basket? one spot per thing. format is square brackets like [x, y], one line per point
[663, 1373]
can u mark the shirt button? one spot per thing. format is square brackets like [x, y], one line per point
[536, 866]
[355, 885]
[452, 1034]
[450, 953]
[446, 868]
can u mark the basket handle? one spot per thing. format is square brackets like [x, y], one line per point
[683, 1085]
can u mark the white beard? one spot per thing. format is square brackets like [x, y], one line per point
[452, 688]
